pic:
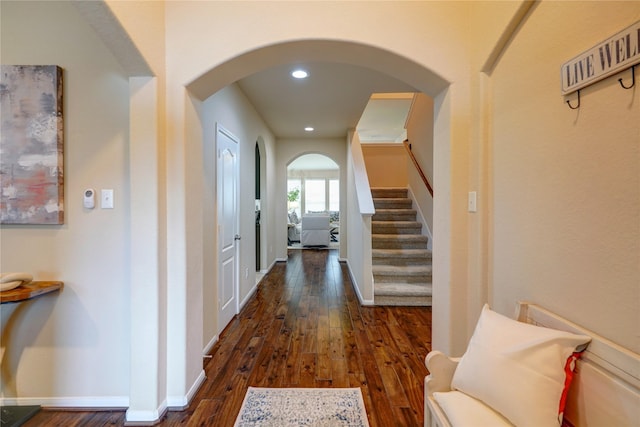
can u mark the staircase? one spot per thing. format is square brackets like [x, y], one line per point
[400, 259]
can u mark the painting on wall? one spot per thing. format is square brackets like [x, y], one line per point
[31, 145]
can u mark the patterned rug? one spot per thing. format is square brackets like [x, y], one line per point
[295, 407]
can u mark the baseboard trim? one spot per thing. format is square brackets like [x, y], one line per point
[210, 345]
[246, 299]
[265, 272]
[146, 418]
[179, 403]
[354, 282]
[70, 403]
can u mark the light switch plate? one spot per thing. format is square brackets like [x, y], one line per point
[473, 207]
[106, 201]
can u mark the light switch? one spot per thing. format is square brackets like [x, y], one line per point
[106, 199]
[473, 207]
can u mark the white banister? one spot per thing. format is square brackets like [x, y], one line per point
[361, 180]
[360, 209]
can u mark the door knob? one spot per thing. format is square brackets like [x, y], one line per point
[237, 237]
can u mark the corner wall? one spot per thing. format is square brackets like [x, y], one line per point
[53, 344]
[566, 209]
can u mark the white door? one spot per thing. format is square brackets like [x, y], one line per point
[228, 238]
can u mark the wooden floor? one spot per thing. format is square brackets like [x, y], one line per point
[304, 328]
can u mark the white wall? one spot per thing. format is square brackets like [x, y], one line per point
[231, 109]
[72, 348]
[566, 202]
[583, 210]
[420, 136]
[386, 164]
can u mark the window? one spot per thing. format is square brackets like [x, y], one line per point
[318, 179]
[334, 195]
[315, 195]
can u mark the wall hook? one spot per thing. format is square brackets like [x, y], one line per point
[633, 78]
[577, 106]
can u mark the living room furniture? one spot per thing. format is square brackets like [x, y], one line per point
[315, 230]
[293, 228]
[334, 230]
[17, 415]
[604, 391]
[29, 290]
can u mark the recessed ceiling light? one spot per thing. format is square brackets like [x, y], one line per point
[308, 129]
[300, 74]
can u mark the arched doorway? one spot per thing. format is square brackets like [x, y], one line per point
[313, 186]
[263, 203]
[223, 74]
[258, 202]
[180, 283]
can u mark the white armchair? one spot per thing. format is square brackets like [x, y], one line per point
[315, 230]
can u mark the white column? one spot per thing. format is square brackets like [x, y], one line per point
[147, 400]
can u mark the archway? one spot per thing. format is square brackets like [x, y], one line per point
[180, 283]
[424, 80]
[313, 186]
[384, 61]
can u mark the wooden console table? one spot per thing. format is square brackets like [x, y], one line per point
[17, 415]
[30, 290]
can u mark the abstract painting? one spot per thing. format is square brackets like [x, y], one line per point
[31, 145]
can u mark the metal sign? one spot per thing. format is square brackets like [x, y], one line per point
[615, 54]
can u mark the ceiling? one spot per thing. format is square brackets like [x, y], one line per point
[331, 99]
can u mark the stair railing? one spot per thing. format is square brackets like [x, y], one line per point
[418, 168]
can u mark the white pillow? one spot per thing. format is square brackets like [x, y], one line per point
[518, 369]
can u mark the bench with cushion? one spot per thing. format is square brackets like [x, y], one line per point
[521, 373]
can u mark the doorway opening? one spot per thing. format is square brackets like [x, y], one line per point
[313, 189]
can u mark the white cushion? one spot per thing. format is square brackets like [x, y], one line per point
[315, 237]
[516, 368]
[465, 411]
[315, 222]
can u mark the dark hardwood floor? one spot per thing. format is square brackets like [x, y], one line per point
[304, 328]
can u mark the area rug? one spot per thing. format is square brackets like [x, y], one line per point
[295, 407]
